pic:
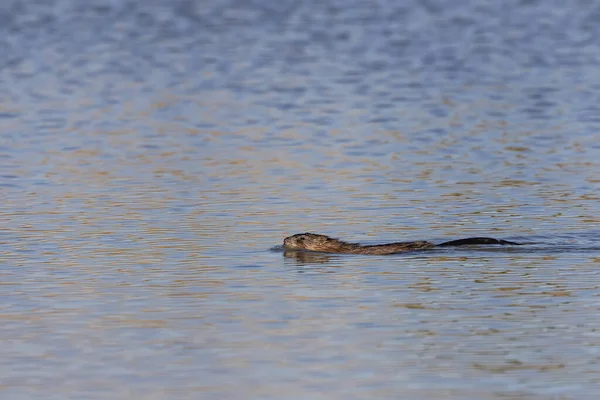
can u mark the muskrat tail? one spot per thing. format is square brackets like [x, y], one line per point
[478, 240]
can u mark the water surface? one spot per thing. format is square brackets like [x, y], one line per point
[152, 153]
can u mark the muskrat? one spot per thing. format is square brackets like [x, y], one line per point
[325, 244]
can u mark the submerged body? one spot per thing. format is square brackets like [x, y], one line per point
[326, 244]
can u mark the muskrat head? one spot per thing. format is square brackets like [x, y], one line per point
[311, 241]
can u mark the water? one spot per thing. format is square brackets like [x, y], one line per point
[152, 153]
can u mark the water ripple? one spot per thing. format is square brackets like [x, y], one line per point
[151, 153]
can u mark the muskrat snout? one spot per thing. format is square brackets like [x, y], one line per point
[288, 241]
[298, 241]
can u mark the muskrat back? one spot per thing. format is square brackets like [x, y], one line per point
[325, 244]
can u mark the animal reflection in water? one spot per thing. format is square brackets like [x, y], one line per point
[325, 244]
[307, 257]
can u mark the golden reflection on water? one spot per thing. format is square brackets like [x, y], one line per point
[149, 246]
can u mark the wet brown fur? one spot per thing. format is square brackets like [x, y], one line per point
[326, 244]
